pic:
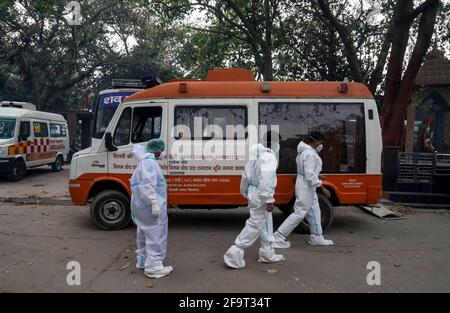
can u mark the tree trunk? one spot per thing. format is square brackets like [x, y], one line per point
[350, 50]
[398, 92]
[377, 74]
[331, 56]
[395, 66]
[268, 62]
[410, 123]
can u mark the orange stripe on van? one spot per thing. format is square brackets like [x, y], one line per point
[224, 190]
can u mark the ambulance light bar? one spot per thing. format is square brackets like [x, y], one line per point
[18, 105]
[127, 83]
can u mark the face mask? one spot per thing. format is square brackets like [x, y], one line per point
[162, 156]
[319, 148]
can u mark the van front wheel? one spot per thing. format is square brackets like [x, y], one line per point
[326, 212]
[110, 210]
[59, 162]
[18, 170]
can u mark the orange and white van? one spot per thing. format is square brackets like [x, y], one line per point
[30, 138]
[204, 178]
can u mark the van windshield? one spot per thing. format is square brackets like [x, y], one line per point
[7, 128]
[106, 107]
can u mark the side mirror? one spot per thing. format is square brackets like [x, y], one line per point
[109, 142]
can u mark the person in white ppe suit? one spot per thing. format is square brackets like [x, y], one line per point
[149, 209]
[309, 166]
[258, 184]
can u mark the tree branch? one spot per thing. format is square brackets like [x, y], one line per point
[425, 6]
[344, 34]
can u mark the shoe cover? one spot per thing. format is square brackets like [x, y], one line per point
[315, 240]
[234, 257]
[269, 256]
[158, 271]
[140, 264]
[280, 242]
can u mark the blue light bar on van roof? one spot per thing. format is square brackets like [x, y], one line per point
[127, 83]
[151, 80]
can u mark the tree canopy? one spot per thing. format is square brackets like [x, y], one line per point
[45, 60]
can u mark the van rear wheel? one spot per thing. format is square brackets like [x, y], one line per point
[326, 212]
[18, 170]
[110, 210]
[59, 162]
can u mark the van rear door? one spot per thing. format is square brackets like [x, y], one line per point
[40, 144]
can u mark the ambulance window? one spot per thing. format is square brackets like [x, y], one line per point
[230, 121]
[25, 131]
[342, 124]
[40, 129]
[55, 130]
[63, 131]
[122, 133]
[146, 124]
[7, 128]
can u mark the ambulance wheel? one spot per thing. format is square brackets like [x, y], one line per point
[18, 170]
[57, 166]
[326, 212]
[110, 210]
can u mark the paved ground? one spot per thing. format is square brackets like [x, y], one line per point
[40, 185]
[37, 242]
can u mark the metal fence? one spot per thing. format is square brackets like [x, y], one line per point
[442, 166]
[422, 168]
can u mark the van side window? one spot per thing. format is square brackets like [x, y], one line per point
[40, 129]
[146, 124]
[25, 131]
[343, 125]
[55, 130]
[63, 130]
[122, 132]
[230, 121]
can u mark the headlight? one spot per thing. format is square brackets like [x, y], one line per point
[2, 150]
[73, 168]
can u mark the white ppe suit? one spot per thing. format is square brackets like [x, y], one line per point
[149, 210]
[258, 184]
[309, 166]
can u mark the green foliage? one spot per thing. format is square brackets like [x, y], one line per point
[48, 62]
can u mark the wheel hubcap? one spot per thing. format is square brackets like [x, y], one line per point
[111, 211]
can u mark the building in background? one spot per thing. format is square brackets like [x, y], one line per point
[432, 100]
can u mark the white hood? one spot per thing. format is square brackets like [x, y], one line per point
[303, 146]
[139, 153]
[255, 151]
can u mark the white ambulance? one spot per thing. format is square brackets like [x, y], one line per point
[30, 138]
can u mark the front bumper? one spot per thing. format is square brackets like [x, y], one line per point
[79, 191]
[6, 165]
